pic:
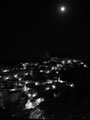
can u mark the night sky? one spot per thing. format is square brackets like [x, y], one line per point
[38, 27]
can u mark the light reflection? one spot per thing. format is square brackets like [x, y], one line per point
[6, 70]
[15, 75]
[53, 86]
[47, 88]
[72, 85]
[6, 77]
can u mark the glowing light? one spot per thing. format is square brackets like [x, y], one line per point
[62, 8]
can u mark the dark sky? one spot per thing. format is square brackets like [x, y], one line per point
[38, 27]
